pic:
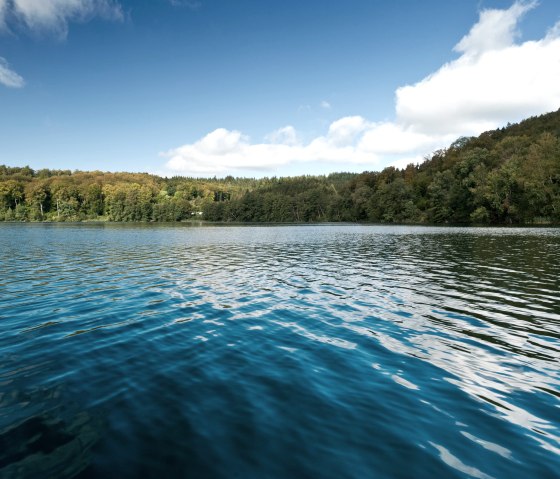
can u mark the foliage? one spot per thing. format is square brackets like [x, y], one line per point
[506, 176]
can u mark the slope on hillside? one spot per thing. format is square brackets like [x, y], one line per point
[505, 176]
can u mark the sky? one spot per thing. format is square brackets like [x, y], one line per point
[259, 88]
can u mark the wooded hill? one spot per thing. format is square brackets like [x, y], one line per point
[505, 176]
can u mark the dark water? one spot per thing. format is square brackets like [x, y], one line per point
[265, 352]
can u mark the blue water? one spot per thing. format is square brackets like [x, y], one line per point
[279, 351]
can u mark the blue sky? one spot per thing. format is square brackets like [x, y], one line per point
[265, 87]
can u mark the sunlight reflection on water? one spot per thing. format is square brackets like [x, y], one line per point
[327, 350]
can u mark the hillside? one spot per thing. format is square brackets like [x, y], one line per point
[506, 176]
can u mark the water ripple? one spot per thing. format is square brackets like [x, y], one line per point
[316, 351]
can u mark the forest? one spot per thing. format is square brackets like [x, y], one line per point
[506, 176]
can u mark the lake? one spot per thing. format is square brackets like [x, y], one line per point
[327, 351]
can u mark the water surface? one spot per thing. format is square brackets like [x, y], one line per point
[279, 351]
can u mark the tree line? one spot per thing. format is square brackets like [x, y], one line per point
[505, 176]
[62, 195]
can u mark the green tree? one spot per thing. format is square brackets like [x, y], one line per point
[37, 195]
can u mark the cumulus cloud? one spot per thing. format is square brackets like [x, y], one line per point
[285, 136]
[8, 77]
[391, 138]
[344, 132]
[495, 30]
[53, 15]
[326, 105]
[494, 80]
[223, 151]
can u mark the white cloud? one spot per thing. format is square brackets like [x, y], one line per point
[285, 136]
[494, 80]
[392, 138]
[495, 30]
[53, 15]
[554, 32]
[344, 132]
[50, 16]
[221, 142]
[350, 141]
[8, 77]
[223, 151]
[325, 104]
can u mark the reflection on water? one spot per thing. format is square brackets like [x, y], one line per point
[310, 351]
